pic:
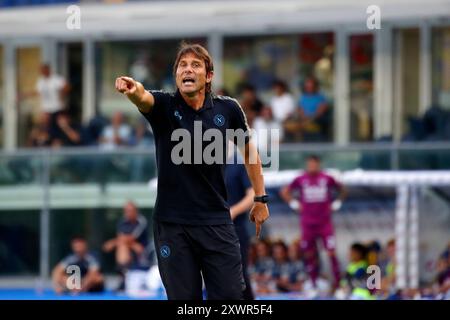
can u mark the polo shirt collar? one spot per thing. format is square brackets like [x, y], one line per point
[207, 104]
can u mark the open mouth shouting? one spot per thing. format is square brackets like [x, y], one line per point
[188, 81]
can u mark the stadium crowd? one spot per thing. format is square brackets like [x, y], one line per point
[306, 118]
[278, 267]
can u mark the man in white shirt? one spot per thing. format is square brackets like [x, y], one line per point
[282, 103]
[51, 89]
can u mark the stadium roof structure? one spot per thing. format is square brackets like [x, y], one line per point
[190, 18]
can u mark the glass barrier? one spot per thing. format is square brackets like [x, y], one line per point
[21, 169]
[103, 168]
[416, 159]
[83, 166]
[74, 167]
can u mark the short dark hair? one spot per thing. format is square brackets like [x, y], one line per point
[360, 248]
[281, 244]
[314, 80]
[391, 242]
[281, 84]
[199, 51]
[313, 157]
[78, 238]
[247, 87]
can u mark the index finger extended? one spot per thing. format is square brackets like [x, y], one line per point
[258, 228]
[127, 79]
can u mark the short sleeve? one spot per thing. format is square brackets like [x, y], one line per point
[239, 122]
[333, 183]
[295, 184]
[141, 227]
[159, 96]
[93, 263]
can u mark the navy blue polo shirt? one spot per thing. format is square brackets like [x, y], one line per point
[192, 192]
[237, 182]
[85, 263]
[138, 229]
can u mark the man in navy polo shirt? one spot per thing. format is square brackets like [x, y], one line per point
[193, 232]
[240, 199]
[130, 242]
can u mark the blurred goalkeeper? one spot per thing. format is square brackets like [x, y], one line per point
[315, 193]
[194, 235]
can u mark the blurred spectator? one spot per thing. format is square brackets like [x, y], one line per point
[91, 277]
[432, 126]
[262, 267]
[66, 133]
[94, 129]
[250, 99]
[443, 274]
[40, 134]
[142, 134]
[250, 103]
[130, 242]
[436, 122]
[388, 280]
[373, 252]
[52, 90]
[356, 269]
[355, 280]
[280, 268]
[276, 267]
[116, 134]
[313, 109]
[263, 126]
[296, 269]
[282, 103]
[114, 167]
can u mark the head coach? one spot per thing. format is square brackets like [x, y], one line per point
[193, 231]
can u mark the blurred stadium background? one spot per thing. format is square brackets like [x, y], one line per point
[385, 133]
